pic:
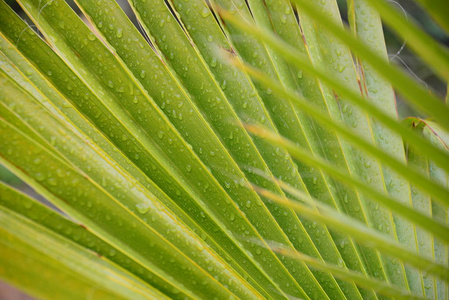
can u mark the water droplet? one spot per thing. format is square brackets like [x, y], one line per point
[119, 32]
[224, 84]
[143, 207]
[199, 247]
[60, 173]
[284, 19]
[213, 63]
[340, 263]
[205, 12]
[91, 36]
[232, 217]
[52, 182]
[39, 176]
[341, 68]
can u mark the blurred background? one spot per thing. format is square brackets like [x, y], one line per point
[397, 49]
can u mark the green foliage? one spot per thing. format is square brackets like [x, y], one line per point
[227, 149]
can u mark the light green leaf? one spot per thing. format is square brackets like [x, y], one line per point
[359, 232]
[361, 280]
[31, 241]
[29, 208]
[233, 218]
[439, 138]
[88, 203]
[440, 230]
[229, 149]
[63, 108]
[297, 59]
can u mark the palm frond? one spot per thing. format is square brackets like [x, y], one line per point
[225, 149]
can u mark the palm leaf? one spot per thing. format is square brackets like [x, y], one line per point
[228, 149]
